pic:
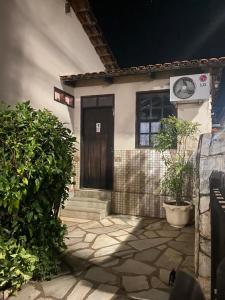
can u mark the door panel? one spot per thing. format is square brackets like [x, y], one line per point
[97, 147]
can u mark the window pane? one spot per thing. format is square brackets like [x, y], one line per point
[89, 101]
[144, 100]
[155, 127]
[145, 104]
[166, 100]
[144, 139]
[144, 114]
[144, 127]
[156, 101]
[156, 114]
[144, 109]
[106, 100]
[144, 97]
[153, 138]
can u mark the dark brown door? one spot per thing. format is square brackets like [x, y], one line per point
[97, 148]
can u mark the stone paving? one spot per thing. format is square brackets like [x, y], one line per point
[118, 258]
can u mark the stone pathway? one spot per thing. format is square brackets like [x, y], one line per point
[118, 258]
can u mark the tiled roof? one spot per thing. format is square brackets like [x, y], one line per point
[110, 74]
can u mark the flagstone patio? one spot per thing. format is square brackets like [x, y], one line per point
[118, 258]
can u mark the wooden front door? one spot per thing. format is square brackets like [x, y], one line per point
[97, 147]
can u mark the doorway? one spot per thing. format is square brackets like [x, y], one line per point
[97, 141]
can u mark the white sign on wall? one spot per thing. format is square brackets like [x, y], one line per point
[98, 127]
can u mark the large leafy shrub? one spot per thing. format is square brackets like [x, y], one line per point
[36, 152]
[172, 143]
[17, 264]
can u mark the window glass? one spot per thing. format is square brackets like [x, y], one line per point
[166, 100]
[153, 140]
[144, 139]
[96, 101]
[144, 114]
[144, 127]
[89, 101]
[157, 114]
[155, 127]
[144, 109]
[151, 108]
[105, 100]
[156, 101]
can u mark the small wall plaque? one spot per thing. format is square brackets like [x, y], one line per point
[63, 97]
[98, 127]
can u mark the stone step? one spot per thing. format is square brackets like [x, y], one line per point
[89, 214]
[91, 193]
[88, 199]
[87, 202]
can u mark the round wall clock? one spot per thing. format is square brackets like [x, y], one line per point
[184, 88]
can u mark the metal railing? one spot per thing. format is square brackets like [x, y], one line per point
[187, 287]
[217, 208]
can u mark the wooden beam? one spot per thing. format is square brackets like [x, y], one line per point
[109, 79]
[92, 29]
[71, 83]
[152, 75]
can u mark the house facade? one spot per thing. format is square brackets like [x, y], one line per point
[116, 115]
[117, 118]
[117, 112]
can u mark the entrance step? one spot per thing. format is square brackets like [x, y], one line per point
[84, 202]
[98, 194]
[88, 213]
[87, 204]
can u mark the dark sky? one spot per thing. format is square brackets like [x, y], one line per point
[141, 32]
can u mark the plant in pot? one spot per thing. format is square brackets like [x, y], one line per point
[172, 142]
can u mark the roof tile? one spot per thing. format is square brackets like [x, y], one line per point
[211, 62]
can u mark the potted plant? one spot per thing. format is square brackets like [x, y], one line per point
[172, 143]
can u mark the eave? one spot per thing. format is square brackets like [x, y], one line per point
[212, 65]
[87, 19]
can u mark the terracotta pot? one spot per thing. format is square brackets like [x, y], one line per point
[177, 216]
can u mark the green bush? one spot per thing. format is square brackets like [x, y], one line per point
[36, 153]
[172, 143]
[17, 265]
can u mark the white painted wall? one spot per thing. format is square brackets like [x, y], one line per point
[38, 43]
[125, 109]
[197, 112]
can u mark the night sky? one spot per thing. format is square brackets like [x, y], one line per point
[141, 32]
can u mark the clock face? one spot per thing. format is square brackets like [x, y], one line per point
[184, 88]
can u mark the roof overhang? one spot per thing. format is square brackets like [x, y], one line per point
[212, 65]
[90, 25]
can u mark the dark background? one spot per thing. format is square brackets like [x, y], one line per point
[141, 32]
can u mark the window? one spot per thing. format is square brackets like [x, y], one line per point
[98, 101]
[151, 108]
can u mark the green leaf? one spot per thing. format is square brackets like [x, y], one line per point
[25, 181]
[36, 163]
